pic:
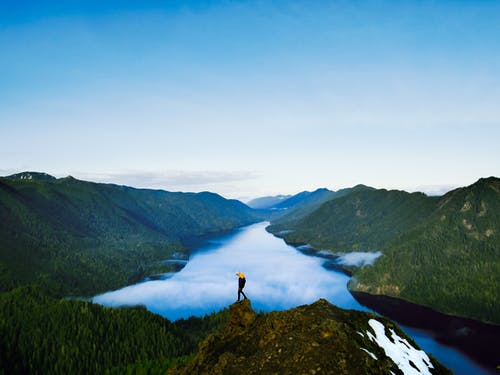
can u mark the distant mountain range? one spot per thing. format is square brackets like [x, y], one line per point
[290, 202]
[267, 203]
[442, 252]
[293, 207]
[302, 204]
[78, 237]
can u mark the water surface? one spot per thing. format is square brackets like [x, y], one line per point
[278, 277]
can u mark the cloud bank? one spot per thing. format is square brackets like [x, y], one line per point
[278, 277]
[358, 259]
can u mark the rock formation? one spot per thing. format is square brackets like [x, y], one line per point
[312, 339]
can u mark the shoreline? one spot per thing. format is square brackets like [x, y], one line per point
[190, 244]
[457, 357]
[474, 338]
[311, 251]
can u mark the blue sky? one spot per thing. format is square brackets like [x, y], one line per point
[252, 98]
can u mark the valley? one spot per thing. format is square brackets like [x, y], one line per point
[70, 238]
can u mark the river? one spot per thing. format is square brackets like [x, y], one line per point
[278, 276]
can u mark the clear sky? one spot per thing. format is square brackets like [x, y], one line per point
[252, 98]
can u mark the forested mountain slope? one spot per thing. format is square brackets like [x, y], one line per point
[450, 261]
[44, 335]
[77, 237]
[442, 252]
[61, 237]
[302, 204]
[360, 219]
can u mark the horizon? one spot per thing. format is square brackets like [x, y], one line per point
[432, 190]
[252, 99]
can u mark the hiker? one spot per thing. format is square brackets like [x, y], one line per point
[241, 285]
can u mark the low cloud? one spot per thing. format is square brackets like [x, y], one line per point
[358, 259]
[433, 190]
[278, 277]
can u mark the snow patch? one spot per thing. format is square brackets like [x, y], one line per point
[359, 333]
[370, 353]
[410, 360]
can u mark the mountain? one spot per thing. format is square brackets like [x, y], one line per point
[31, 176]
[61, 237]
[264, 203]
[311, 339]
[441, 252]
[285, 208]
[302, 204]
[360, 219]
[44, 335]
[77, 237]
[450, 261]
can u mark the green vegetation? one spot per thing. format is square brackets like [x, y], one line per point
[81, 238]
[441, 252]
[300, 205]
[362, 219]
[64, 237]
[451, 261]
[44, 335]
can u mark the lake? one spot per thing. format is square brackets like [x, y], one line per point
[278, 276]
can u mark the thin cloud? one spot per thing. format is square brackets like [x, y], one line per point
[434, 190]
[358, 259]
[8, 172]
[171, 180]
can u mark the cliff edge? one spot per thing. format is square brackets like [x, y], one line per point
[312, 339]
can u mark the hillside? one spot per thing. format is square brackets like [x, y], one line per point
[450, 261]
[63, 237]
[360, 219]
[310, 339]
[284, 208]
[43, 335]
[441, 252]
[77, 237]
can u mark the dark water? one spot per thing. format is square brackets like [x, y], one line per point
[278, 277]
[478, 340]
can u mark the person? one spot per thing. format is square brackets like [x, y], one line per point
[241, 285]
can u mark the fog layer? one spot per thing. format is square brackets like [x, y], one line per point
[278, 277]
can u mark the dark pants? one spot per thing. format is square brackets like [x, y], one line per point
[240, 291]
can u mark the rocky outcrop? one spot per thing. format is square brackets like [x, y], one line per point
[311, 339]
